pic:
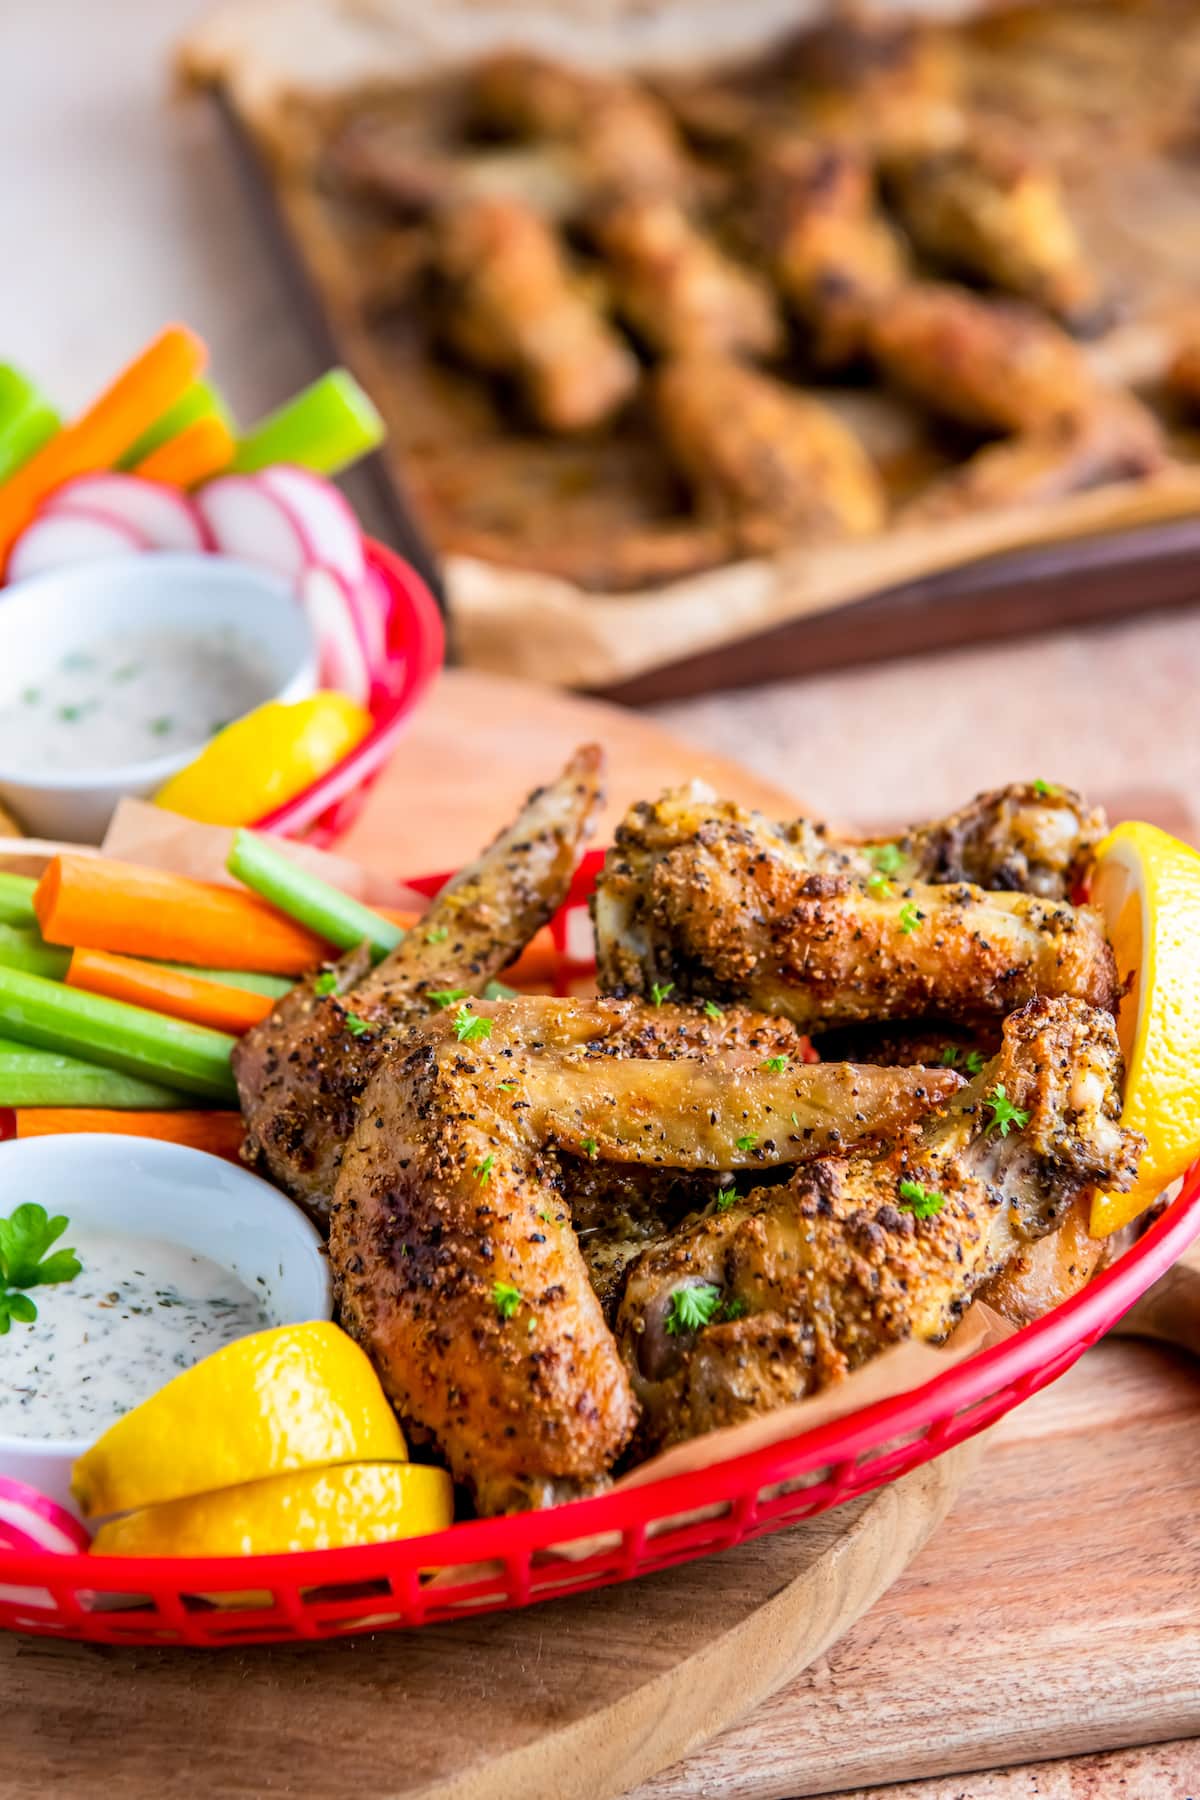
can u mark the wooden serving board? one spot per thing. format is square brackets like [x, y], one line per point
[1054, 1612]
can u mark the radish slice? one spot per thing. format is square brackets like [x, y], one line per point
[368, 607]
[165, 517]
[329, 525]
[58, 538]
[245, 519]
[30, 1520]
[340, 660]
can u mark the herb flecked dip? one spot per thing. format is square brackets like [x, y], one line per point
[140, 1310]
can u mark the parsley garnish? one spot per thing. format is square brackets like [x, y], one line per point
[483, 1169]
[25, 1239]
[949, 1057]
[974, 1061]
[660, 990]
[748, 1142]
[438, 935]
[713, 1011]
[910, 918]
[879, 885]
[506, 1087]
[726, 1198]
[505, 1298]
[325, 983]
[446, 996]
[355, 1026]
[1004, 1114]
[922, 1202]
[737, 1308]
[589, 1146]
[1045, 790]
[887, 858]
[692, 1307]
[467, 1028]
[775, 1064]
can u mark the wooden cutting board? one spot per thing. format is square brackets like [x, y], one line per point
[1023, 1629]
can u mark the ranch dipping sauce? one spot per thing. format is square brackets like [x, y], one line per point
[139, 1312]
[130, 697]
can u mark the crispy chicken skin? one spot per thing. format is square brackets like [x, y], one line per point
[989, 210]
[774, 465]
[623, 138]
[1043, 1274]
[831, 252]
[990, 364]
[892, 83]
[301, 1071]
[1033, 837]
[677, 289]
[825, 1272]
[513, 309]
[448, 1200]
[725, 905]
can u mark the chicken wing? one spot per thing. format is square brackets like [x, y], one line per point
[1032, 837]
[677, 289]
[773, 465]
[988, 209]
[831, 252]
[991, 364]
[723, 905]
[792, 1287]
[301, 1071]
[622, 137]
[448, 1238]
[513, 309]
[891, 83]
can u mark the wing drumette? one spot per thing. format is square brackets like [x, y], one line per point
[301, 1071]
[513, 309]
[803, 1283]
[773, 465]
[724, 905]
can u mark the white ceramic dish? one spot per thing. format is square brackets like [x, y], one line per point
[55, 613]
[199, 1202]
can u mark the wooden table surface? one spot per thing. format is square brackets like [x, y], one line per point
[125, 213]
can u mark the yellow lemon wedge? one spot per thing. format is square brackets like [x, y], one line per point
[317, 1509]
[265, 759]
[1147, 885]
[297, 1397]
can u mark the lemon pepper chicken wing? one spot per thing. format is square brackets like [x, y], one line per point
[830, 250]
[773, 465]
[803, 1283]
[301, 1071]
[722, 904]
[512, 308]
[454, 1264]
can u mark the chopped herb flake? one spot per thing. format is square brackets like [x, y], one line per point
[713, 1011]
[325, 983]
[437, 935]
[505, 1298]
[483, 1169]
[910, 918]
[447, 996]
[748, 1142]
[468, 1029]
[886, 858]
[692, 1307]
[590, 1148]
[775, 1065]
[1004, 1114]
[922, 1202]
[659, 991]
[974, 1062]
[356, 1026]
[879, 885]
[737, 1308]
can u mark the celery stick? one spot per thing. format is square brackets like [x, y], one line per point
[44, 1078]
[325, 910]
[27, 949]
[326, 427]
[274, 986]
[129, 1038]
[496, 990]
[24, 430]
[16, 900]
[201, 401]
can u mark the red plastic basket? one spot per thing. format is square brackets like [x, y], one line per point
[415, 646]
[492, 1564]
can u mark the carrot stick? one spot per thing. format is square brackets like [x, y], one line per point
[167, 991]
[97, 903]
[202, 449]
[221, 1133]
[142, 392]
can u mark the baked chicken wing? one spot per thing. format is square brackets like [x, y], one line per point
[677, 289]
[724, 905]
[455, 1263]
[773, 465]
[513, 309]
[301, 1071]
[792, 1287]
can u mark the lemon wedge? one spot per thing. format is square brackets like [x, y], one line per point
[265, 759]
[316, 1509]
[1147, 885]
[298, 1397]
